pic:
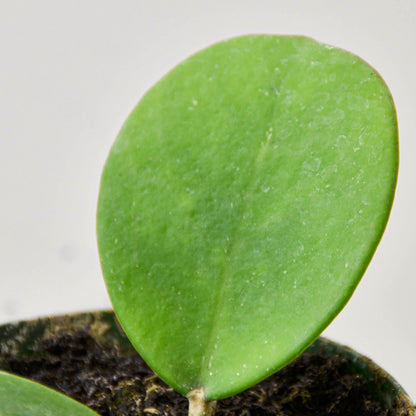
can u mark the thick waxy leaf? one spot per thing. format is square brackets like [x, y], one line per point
[22, 397]
[241, 204]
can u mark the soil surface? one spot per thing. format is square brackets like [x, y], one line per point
[114, 381]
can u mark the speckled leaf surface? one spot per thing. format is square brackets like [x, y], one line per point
[22, 397]
[241, 204]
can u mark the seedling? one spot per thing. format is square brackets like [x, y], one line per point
[240, 206]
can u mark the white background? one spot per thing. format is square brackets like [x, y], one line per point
[70, 73]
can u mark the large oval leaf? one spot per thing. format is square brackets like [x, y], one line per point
[22, 397]
[241, 204]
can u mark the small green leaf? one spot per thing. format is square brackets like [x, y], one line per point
[22, 397]
[241, 204]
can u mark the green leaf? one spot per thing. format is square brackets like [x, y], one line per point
[22, 397]
[241, 204]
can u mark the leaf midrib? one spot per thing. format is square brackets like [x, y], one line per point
[219, 302]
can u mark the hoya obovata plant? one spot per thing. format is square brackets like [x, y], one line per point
[239, 208]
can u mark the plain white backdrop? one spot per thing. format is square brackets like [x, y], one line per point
[71, 72]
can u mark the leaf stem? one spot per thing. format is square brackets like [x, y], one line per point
[198, 406]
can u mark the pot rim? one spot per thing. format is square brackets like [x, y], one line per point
[386, 388]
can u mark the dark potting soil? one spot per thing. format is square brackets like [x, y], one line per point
[113, 382]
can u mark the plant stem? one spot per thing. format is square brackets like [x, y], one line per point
[198, 406]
